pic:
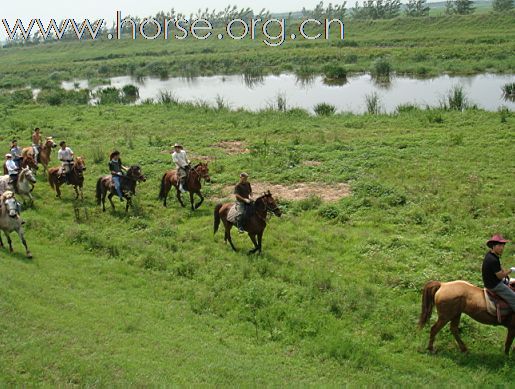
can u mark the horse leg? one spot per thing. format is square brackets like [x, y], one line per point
[129, 203]
[201, 200]
[9, 241]
[440, 323]
[253, 239]
[179, 197]
[456, 332]
[81, 193]
[1, 241]
[510, 336]
[260, 239]
[104, 193]
[57, 189]
[191, 201]
[228, 236]
[110, 197]
[22, 238]
[76, 192]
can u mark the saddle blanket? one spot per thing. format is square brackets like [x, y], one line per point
[232, 215]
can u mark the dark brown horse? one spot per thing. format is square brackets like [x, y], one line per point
[27, 161]
[44, 153]
[193, 185]
[451, 300]
[255, 223]
[75, 178]
[128, 183]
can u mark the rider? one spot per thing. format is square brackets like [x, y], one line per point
[182, 162]
[243, 193]
[65, 155]
[12, 170]
[116, 167]
[494, 274]
[16, 153]
[36, 143]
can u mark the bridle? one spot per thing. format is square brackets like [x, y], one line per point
[199, 175]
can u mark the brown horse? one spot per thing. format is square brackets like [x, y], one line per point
[193, 186]
[44, 153]
[254, 224]
[128, 183]
[451, 300]
[75, 178]
[27, 161]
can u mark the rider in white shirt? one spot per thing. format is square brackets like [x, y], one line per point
[12, 169]
[182, 163]
[65, 155]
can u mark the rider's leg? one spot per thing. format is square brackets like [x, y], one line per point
[118, 187]
[506, 294]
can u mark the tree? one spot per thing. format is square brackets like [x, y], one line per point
[460, 7]
[502, 5]
[417, 8]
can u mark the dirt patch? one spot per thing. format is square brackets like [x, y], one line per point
[312, 163]
[233, 147]
[299, 191]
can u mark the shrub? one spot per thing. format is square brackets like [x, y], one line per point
[381, 68]
[456, 100]
[109, 95]
[22, 96]
[335, 72]
[508, 91]
[130, 93]
[324, 109]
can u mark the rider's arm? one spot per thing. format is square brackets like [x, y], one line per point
[242, 199]
[503, 274]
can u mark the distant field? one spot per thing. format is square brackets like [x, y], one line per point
[152, 298]
[420, 47]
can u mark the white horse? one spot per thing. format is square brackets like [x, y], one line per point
[10, 220]
[24, 186]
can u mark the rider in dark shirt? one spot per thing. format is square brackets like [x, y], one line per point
[494, 274]
[243, 193]
[116, 167]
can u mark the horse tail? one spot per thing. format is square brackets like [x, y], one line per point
[162, 190]
[428, 300]
[99, 190]
[217, 217]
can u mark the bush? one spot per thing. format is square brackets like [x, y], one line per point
[381, 68]
[335, 73]
[456, 100]
[109, 95]
[324, 109]
[130, 93]
[22, 96]
[64, 97]
[508, 91]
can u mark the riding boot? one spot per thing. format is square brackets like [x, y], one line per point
[239, 224]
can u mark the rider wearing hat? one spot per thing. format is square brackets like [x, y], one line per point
[12, 170]
[116, 167]
[243, 193]
[182, 163]
[16, 153]
[494, 274]
[65, 155]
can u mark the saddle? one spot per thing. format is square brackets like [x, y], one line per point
[496, 306]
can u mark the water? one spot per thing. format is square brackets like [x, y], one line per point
[254, 94]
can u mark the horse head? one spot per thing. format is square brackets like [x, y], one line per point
[270, 204]
[79, 166]
[29, 161]
[9, 204]
[49, 143]
[27, 174]
[136, 174]
[203, 171]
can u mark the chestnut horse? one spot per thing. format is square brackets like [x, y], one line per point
[193, 186]
[451, 300]
[128, 183]
[254, 224]
[75, 178]
[44, 152]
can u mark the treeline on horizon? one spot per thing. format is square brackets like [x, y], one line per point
[369, 10]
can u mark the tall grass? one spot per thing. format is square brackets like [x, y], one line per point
[456, 99]
[373, 104]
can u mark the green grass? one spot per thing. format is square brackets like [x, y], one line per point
[152, 298]
[419, 46]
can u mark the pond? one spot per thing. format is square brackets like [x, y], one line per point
[256, 93]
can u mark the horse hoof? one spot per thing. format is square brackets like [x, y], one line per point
[29, 255]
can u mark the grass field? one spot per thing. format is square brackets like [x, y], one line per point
[152, 298]
[421, 47]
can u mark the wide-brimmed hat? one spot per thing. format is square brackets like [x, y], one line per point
[243, 174]
[178, 145]
[496, 239]
[8, 155]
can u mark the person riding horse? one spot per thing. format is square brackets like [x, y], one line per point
[492, 272]
[65, 155]
[180, 158]
[12, 170]
[16, 153]
[243, 193]
[116, 167]
[36, 143]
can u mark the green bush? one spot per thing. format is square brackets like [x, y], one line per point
[324, 109]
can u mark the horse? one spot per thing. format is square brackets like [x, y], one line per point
[10, 220]
[27, 161]
[128, 183]
[451, 300]
[75, 178]
[193, 186]
[254, 224]
[24, 185]
[44, 152]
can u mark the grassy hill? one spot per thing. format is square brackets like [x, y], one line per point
[152, 298]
